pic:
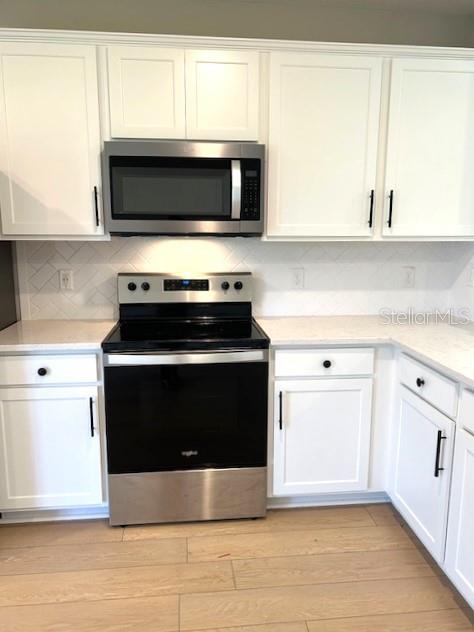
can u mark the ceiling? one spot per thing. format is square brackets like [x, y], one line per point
[460, 7]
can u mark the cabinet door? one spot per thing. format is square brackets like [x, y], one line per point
[460, 549]
[324, 124]
[430, 155]
[50, 448]
[222, 95]
[323, 441]
[423, 439]
[49, 139]
[146, 92]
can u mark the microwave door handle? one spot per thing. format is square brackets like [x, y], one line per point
[236, 198]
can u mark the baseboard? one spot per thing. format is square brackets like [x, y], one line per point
[322, 500]
[283, 502]
[53, 515]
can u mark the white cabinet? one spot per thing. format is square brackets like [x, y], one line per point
[430, 155]
[49, 140]
[50, 447]
[321, 435]
[146, 92]
[171, 93]
[460, 545]
[323, 138]
[421, 469]
[222, 95]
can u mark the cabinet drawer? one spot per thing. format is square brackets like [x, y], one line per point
[430, 385]
[47, 369]
[466, 410]
[323, 362]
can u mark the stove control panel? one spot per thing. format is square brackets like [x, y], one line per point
[199, 288]
[195, 285]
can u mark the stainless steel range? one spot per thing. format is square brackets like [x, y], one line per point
[186, 390]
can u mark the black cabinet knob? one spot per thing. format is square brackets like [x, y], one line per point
[145, 286]
[327, 364]
[420, 382]
[42, 371]
[225, 285]
[238, 285]
[132, 287]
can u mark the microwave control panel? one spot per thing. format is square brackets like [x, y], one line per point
[250, 189]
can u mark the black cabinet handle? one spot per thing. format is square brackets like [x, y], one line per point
[390, 209]
[327, 364]
[371, 212]
[91, 411]
[438, 469]
[280, 420]
[96, 205]
[42, 371]
[420, 382]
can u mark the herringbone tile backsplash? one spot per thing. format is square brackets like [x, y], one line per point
[340, 278]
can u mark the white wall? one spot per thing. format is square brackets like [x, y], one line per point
[340, 278]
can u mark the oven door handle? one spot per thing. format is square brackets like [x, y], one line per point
[150, 359]
[236, 189]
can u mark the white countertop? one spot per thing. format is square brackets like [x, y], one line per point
[54, 335]
[450, 348]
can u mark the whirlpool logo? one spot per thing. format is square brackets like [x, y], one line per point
[189, 453]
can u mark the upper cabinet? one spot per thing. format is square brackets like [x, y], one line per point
[430, 154]
[222, 89]
[49, 140]
[146, 92]
[323, 139]
[171, 93]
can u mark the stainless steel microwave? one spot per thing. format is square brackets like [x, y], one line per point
[183, 188]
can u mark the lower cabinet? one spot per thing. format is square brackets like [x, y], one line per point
[421, 472]
[321, 435]
[459, 562]
[50, 447]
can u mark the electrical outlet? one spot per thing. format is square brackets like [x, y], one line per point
[66, 280]
[470, 277]
[297, 278]
[408, 276]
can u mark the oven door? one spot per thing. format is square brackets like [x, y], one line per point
[186, 411]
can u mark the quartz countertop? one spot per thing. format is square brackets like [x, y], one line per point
[450, 348]
[54, 335]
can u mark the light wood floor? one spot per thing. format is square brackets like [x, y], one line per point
[339, 569]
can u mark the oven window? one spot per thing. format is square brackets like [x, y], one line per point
[170, 188]
[186, 416]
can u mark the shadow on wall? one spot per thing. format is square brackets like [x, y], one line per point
[373, 21]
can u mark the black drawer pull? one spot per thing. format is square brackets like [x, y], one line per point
[327, 364]
[96, 206]
[438, 469]
[280, 420]
[390, 209]
[42, 371]
[371, 212]
[91, 411]
[420, 382]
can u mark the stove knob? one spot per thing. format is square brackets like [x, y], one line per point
[225, 285]
[238, 285]
[145, 286]
[132, 287]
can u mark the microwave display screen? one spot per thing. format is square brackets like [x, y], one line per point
[170, 188]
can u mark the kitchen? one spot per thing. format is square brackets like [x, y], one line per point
[244, 271]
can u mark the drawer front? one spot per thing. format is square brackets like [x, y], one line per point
[435, 388]
[330, 362]
[466, 410]
[47, 369]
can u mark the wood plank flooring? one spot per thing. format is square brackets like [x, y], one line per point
[337, 569]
